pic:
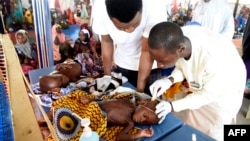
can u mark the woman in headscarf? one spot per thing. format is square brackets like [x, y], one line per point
[85, 53]
[82, 44]
[26, 51]
[58, 38]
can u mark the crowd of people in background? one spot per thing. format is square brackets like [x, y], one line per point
[190, 14]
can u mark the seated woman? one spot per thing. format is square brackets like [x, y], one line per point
[82, 43]
[26, 51]
[86, 54]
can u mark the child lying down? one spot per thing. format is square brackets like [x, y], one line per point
[65, 79]
[122, 110]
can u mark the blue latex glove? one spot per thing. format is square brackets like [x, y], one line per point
[162, 109]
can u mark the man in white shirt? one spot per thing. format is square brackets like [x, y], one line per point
[126, 24]
[213, 69]
[216, 15]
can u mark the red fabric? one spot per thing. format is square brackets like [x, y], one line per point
[175, 6]
[26, 68]
[70, 15]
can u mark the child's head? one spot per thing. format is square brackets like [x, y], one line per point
[49, 82]
[145, 112]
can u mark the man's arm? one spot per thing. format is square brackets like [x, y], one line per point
[107, 47]
[145, 66]
[228, 30]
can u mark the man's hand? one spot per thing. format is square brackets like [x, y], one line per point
[162, 109]
[159, 87]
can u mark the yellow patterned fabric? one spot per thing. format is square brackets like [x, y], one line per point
[93, 112]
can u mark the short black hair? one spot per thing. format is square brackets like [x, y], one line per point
[167, 35]
[123, 10]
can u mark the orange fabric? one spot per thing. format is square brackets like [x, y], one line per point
[70, 15]
[174, 89]
[175, 6]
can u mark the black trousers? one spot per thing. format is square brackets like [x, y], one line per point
[133, 76]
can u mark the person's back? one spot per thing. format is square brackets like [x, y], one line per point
[216, 15]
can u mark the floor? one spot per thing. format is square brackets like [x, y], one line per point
[241, 117]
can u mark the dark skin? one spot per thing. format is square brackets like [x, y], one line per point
[53, 82]
[81, 48]
[167, 59]
[123, 113]
[65, 73]
[70, 69]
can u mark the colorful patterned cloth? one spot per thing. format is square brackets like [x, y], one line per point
[91, 111]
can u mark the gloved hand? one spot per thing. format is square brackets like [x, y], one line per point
[159, 87]
[162, 109]
[103, 82]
